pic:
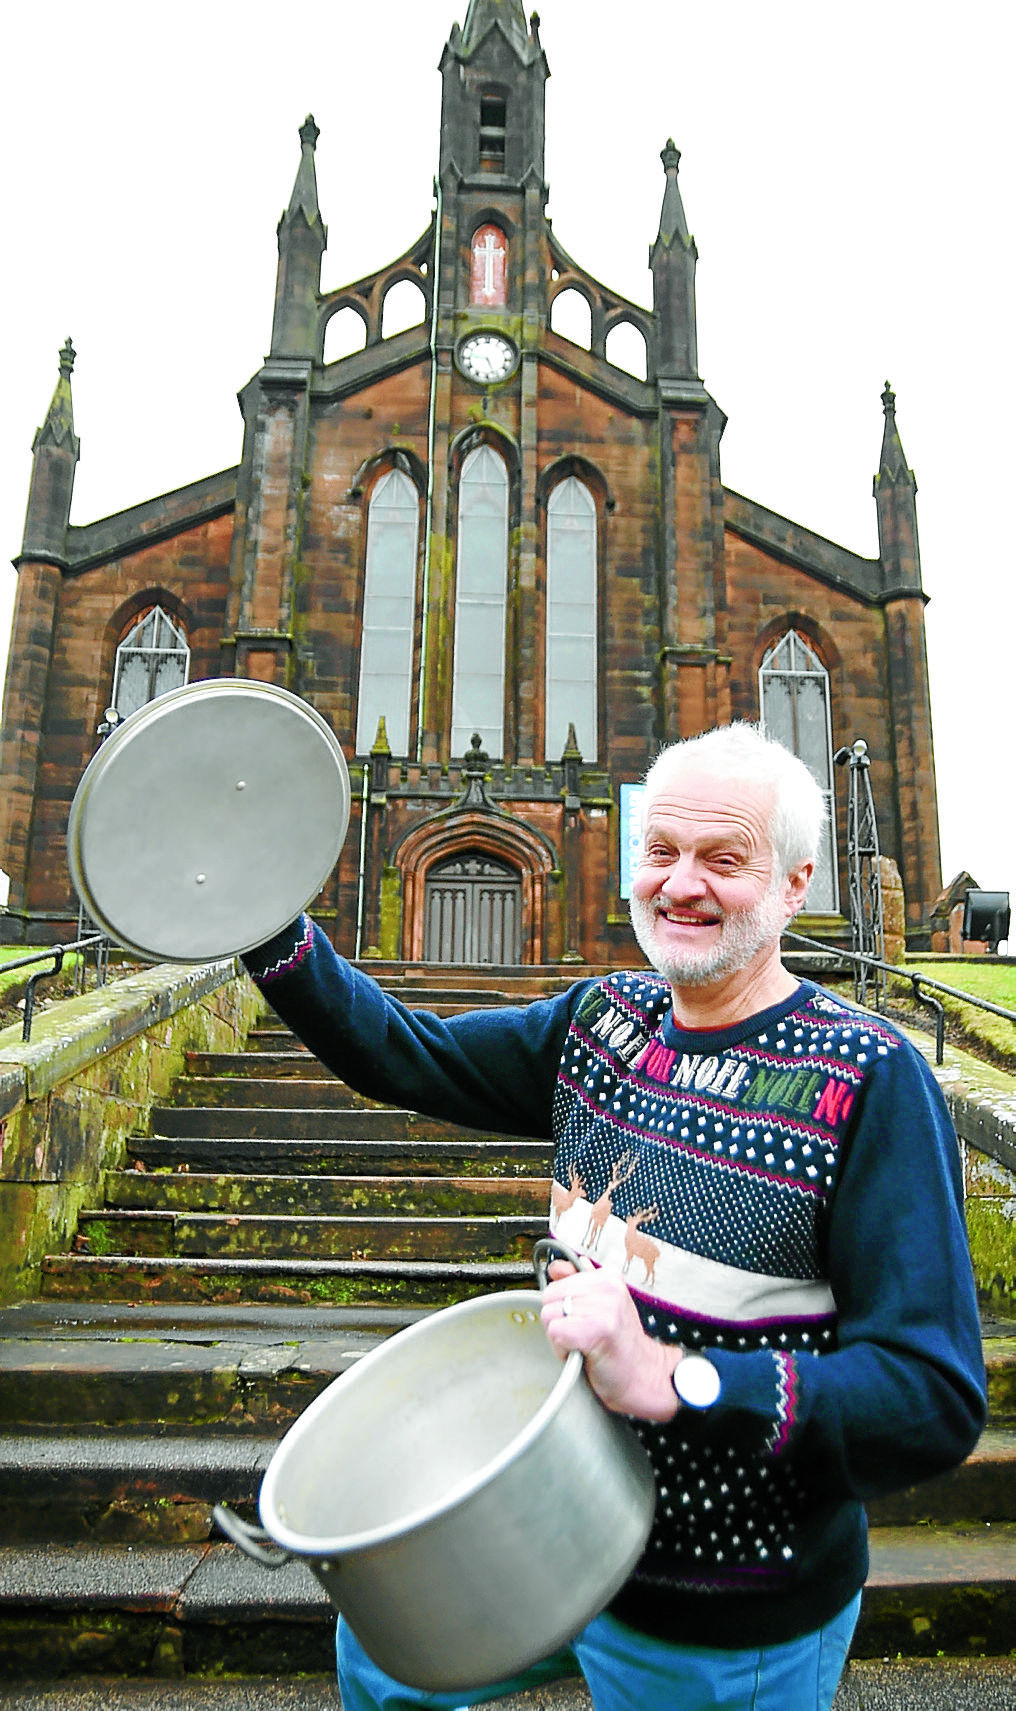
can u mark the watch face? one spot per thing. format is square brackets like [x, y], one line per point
[486, 357]
[696, 1381]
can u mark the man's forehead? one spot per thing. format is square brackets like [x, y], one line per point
[682, 790]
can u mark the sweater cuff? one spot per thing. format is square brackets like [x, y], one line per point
[764, 1386]
[281, 954]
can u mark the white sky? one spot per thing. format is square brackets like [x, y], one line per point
[845, 170]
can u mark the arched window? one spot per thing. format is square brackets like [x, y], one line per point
[488, 272]
[152, 659]
[571, 316]
[389, 613]
[794, 700]
[404, 306]
[626, 348]
[345, 333]
[571, 618]
[481, 579]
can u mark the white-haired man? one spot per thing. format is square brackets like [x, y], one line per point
[796, 1327]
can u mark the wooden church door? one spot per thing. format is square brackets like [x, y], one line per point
[473, 911]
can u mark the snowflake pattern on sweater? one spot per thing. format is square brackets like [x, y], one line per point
[703, 1177]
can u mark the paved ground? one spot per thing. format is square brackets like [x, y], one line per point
[937, 1684]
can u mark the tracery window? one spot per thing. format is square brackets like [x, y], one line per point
[152, 658]
[481, 580]
[794, 701]
[571, 618]
[389, 613]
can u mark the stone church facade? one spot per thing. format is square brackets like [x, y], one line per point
[502, 566]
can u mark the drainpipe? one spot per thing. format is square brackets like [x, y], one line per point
[363, 859]
[431, 432]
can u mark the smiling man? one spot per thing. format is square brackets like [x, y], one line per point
[764, 1184]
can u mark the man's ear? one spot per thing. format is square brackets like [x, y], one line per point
[797, 882]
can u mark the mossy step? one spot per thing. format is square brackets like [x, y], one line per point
[298, 1123]
[405, 1156]
[181, 1234]
[940, 1589]
[310, 1282]
[133, 1384]
[270, 1092]
[289, 1062]
[328, 1196]
[118, 1487]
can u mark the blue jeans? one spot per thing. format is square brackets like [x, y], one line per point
[629, 1671]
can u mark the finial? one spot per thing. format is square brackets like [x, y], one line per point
[67, 356]
[309, 132]
[670, 155]
[381, 743]
[888, 399]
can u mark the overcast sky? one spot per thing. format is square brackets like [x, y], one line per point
[846, 171]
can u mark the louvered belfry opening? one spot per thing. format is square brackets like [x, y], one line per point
[473, 911]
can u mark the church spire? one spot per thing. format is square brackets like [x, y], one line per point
[508, 14]
[54, 457]
[302, 240]
[492, 109]
[672, 259]
[895, 490]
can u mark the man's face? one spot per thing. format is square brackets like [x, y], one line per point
[704, 903]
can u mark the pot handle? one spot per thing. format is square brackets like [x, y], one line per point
[549, 1248]
[254, 1542]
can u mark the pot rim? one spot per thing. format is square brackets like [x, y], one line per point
[349, 1544]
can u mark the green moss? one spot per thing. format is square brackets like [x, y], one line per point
[391, 914]
[991, 1227]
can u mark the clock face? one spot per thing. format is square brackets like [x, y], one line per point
[486, 357]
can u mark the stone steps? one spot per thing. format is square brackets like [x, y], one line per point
[198, 1608]
[272, 1229]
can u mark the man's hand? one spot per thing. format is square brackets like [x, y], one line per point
[593, 1312]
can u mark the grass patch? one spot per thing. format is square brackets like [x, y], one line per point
[975, 1030]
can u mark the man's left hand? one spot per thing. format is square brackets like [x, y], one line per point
[592, 1311]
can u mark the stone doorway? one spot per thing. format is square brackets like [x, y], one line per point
[473, 911]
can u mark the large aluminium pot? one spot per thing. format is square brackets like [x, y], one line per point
[461, 1494]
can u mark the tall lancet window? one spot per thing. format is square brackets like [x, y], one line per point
[571, 618]
[152, 659]
[481, 580]
[794, 698]
[488, 276]
[389, 613]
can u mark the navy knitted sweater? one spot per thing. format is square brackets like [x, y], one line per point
[784, 1192]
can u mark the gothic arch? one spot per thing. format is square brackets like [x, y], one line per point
[495, 834]
[348, 300]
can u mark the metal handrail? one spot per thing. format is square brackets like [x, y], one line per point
[56, 954]
[916, 980]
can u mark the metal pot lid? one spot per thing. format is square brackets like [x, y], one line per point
[208, 820]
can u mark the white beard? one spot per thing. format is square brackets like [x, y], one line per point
[743, 933]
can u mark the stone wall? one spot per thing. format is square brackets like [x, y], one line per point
[86, 1080]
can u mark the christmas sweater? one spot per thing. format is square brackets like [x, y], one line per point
[783, 1194]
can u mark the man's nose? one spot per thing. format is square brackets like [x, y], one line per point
[684, 877]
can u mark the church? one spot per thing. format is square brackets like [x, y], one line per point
[489, 541]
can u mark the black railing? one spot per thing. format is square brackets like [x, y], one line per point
[917, 981]
[55, 954]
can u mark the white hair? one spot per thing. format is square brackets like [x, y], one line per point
[744, 752]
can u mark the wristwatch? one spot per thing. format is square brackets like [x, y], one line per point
[696, 1381]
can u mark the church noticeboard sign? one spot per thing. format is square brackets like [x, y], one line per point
[631, 832]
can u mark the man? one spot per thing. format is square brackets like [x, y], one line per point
[766, 1181]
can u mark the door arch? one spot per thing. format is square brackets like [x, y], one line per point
[473, 911]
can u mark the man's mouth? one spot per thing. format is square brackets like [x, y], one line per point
[688, 917]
